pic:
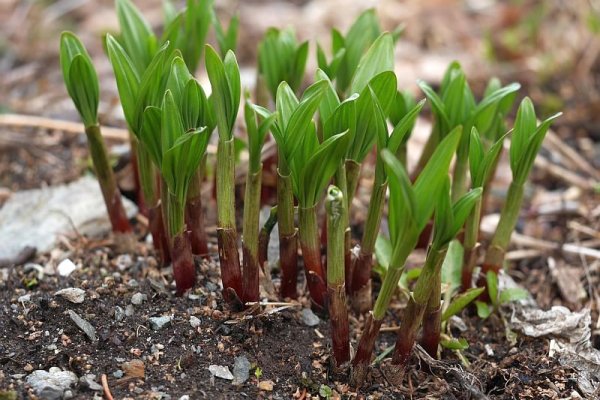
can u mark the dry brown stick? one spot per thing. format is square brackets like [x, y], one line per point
[106, 388]
[29, 121]
[565, 175]
[568, 152]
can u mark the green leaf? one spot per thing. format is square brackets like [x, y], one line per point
[461, 301]
[402, 201]
[178, 79]
[195, 108]
[404, 127]
[483, 310]
[137, 37]
[128, 80]
[150, 136]
[439, 109]
[455, 344]
[492, 285]
[80, 77]
[452, 266]
[319, 169]
[196, 23]
[227, 40]
[153, 83]
[360, 36]
[224, 76]
[342, 119]
[330, 101]
[430, 180]
[379, 58]
[256, 132]
[525, 125]
[512, 294]
[172, 125]
[85, 91]
[383, 251]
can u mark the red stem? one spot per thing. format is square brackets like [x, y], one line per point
[184, 269]
[231, 273]
[289, 265]
[159, 236]
[361, 283]
[194, 220]
[364, 352]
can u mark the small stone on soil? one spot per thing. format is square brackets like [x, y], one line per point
[194, 321]
[138, 298]
[51, 384]
[85, 326]
[74, 295]
[309, 318]
[118, 374]
[266, 386]
[66, 267]
[119, 314]
[129, 310]
[89, 381]
[241, 370]
[220, 371]
[158, 323]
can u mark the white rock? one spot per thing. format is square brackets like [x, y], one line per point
[194, 321]
[221, 371]
[66, 267]
[74, 295]
[53, 381]
[37, 217]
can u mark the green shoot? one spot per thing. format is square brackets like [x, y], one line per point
[527, 139]
[224, 77]
[81, 81]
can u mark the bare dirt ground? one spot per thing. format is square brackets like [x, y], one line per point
[551, 47]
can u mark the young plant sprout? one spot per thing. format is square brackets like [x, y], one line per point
[338, 313]
[361, 271]
[177, 152]
[456, 106]
[187, 30]
[449, 219]
[281, 58]
[526, 141]
[410, 208]
[81, 81]
[285, 135]
[136, 93]
[226, 38]
[257, 132]
[481, 165]
[224, 77]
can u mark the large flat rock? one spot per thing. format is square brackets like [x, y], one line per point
[37, 217]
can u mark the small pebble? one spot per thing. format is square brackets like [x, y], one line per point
[220, 371]
[118, 374]
[25, 298]
[129, 310]
[66, 267]
[309, 318]
[194, 321]
[138, 298]
[84, 325]
[158, 323]
[74, 295]
[266, 386]
[119, 314]
[241, 370]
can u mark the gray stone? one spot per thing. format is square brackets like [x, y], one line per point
[85, 326]
[138, 298]
[220, 371]
[119, 314]
[129, 310]
[241, 370]
[118, 374]
[194, 321]
[51, 384]
[74, 295]
[59, 209]
[89, 381]
[157, 323]
[309, 318]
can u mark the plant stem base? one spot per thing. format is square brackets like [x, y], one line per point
[194, 220]
[288, 259]
[338, 314]
[361, 283]
[184, 269]
[159, 237]
[362, 359]
[230, 267]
